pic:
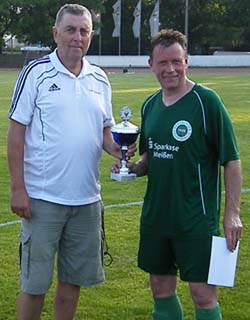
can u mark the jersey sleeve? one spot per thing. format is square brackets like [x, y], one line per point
[109, 118]
[142, 140]
[104, 86]
[24, 96]
[220, 129]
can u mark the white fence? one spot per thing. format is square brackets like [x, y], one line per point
[194, 61]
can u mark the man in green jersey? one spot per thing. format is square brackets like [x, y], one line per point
[186, 137]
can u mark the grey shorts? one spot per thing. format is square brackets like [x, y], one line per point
[74, 233]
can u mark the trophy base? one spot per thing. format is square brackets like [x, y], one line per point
[122, 177]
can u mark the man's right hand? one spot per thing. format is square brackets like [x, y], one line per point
[20, 204]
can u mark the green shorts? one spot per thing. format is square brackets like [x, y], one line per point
[163, 256]
[74, 233]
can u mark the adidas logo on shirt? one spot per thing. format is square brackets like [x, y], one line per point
[54, 87]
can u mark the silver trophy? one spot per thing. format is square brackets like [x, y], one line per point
[124, 133]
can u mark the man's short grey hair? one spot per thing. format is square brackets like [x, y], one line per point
[72, 8]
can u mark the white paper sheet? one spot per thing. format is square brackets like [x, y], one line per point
[222, 263]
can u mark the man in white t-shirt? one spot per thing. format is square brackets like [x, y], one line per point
[60, 121]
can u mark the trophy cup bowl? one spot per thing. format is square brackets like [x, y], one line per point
[124, 133]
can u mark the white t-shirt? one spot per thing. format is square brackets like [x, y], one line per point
[65, 116]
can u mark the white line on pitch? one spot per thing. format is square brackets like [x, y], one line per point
[118, 205]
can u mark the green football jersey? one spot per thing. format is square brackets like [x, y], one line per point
[186, 144]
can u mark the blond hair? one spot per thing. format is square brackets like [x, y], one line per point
[167, 37]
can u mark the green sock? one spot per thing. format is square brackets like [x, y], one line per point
[167, 308]
[208, 314]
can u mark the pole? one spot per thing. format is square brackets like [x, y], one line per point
[120, 22]
[100, 37]
[119, 45]
[139, 38]
[100, 44]
[186, 21]
[139, 44]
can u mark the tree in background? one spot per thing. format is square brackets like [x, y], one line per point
[9, 16]
[237, 24]
[212, 23]
[38, 16]
[205, 25]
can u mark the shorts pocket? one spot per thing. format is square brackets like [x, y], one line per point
[24, 253]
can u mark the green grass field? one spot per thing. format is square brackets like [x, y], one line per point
[126, 294]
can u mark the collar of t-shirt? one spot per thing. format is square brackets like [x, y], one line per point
[86, 67]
